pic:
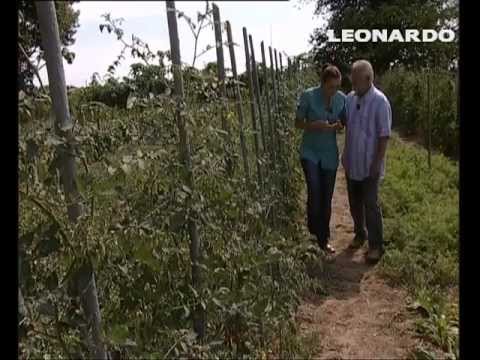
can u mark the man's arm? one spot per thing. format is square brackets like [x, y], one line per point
[344, 152]
[379, 155]
[383, 119]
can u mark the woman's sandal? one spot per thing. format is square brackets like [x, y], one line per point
[330, 249]
[327, 248]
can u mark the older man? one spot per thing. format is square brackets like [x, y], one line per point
[368, 122]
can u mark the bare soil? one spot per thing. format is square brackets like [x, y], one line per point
[361, 317]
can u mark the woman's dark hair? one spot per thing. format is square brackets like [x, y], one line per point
[330, 71]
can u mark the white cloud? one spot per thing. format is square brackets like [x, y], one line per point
[92, 10]
[287, 26]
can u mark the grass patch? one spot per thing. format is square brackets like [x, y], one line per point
[421, 221]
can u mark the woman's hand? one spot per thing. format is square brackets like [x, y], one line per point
[321, 125]
[338, 125]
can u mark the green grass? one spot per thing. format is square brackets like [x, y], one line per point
[421, 221]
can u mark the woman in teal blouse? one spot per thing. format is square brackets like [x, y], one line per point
[318, 111]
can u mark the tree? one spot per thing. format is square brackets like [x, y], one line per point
[146, 79]
[30, 45]
[210, 68]
[389, 15]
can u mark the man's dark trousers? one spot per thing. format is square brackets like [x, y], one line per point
[365, 210]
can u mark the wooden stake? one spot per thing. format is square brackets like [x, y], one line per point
[256, 84]
[84, 277]
[195, 244]
[252, 105]
[269, 109]
[429, 122]
[238, 97]
[221, 78]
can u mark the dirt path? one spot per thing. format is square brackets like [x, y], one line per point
[361, 317]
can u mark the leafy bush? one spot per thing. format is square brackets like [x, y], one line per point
[113, 93]
[407, 92]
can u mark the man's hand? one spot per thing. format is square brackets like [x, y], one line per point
[377, 160]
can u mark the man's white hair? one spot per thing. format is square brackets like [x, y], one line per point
[365, 67]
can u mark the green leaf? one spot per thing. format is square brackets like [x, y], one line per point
[195, 292]
[54, 140]
[131, 101]
[422, 310]
[126, 168]
[46, 307]
[111, 170]
[177, 221]
[27, 112]
[130, 342]
[51, 283]
[186, 313]
[124, 269]
[127, 159]
[423, 354]
[274, 252]
[49, 241]
[268, 309]
[217, 302]
[223, 290]
[119, 334]
[144, 254]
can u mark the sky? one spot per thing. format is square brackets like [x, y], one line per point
[285, 25]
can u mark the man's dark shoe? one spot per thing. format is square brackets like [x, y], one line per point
[358, 242]
[374, 255]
